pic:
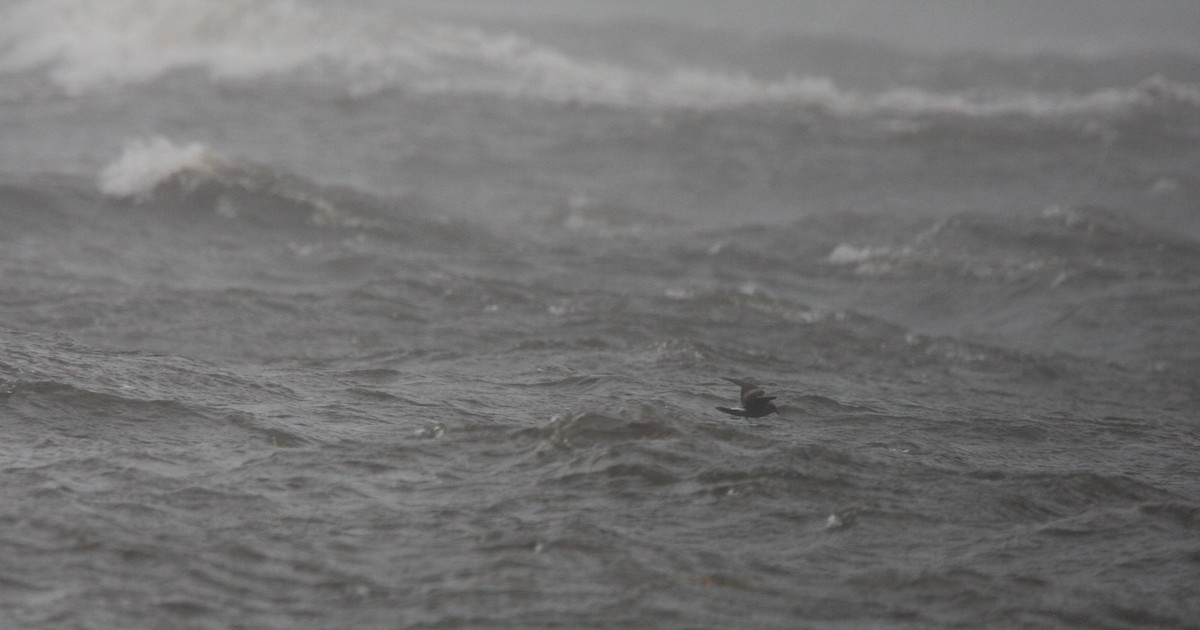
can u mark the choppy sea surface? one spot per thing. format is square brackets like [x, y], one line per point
[352, 316]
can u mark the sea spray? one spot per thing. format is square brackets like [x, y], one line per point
[148, 162]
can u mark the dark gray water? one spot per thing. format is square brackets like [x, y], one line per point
[333, 318]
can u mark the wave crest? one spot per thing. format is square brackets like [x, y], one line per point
[86, 45]
[150, 168]
[147, 163]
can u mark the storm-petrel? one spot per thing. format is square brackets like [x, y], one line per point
[755, 402]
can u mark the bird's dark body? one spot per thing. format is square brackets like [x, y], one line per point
[755, 402]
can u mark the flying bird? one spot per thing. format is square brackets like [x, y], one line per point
[755, 402]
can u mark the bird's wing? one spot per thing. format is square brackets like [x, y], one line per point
[748, 388]
[754, 396]
[761, 402]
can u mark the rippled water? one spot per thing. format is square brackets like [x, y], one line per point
[423, 323]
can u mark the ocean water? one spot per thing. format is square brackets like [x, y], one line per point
[412, 315]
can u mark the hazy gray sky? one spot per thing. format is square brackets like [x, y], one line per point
[1011, 26]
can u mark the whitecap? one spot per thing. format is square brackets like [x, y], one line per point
[845, 254]
[148, 162]
[85, 45]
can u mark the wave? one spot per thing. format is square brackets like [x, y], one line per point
[149, 162]
[87, 45]
[1061, 243]
[154, 168]
[193, 180]
[53, 377]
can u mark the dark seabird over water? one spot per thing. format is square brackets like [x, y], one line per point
[755, 402]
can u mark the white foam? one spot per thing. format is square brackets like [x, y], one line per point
[148, 162]
[92, 43]
[87, 44]
[845, 254]
[84, 45]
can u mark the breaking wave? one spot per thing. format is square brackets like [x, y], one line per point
[156, 168]
[89, 45]
[147, 163]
